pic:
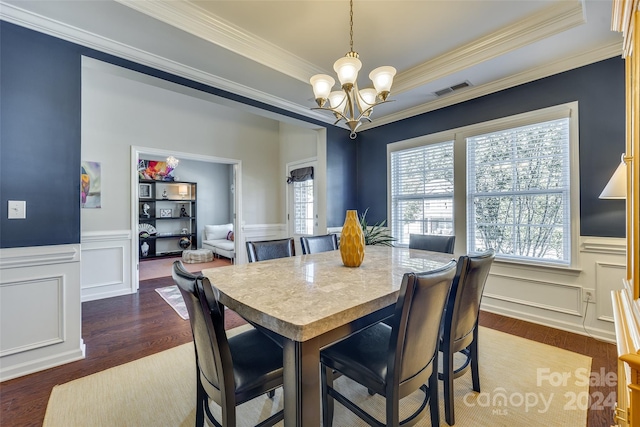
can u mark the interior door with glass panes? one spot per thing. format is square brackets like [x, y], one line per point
[302, 217]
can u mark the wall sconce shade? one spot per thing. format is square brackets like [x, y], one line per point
[616, 188]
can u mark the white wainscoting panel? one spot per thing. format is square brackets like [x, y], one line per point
[41, 320]
[553, 296]
[607, 274]
[40, 309]
[556, 297]
[257, 232]
[106, 264]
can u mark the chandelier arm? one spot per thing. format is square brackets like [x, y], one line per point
[370, 108]
[337, 113]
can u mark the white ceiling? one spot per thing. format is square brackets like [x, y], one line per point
[267, 50]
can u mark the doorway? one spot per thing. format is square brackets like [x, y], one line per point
[230, 185]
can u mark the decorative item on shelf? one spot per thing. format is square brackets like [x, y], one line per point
[144, 249]
[184, 231]
[146, 230]
[145, 210]
[183, 212]
[184, 242]
[350, 104]
[165, 196]
[144, 191]
[166, 213]
[352, 240]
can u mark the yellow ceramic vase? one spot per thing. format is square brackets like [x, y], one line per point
[352, 241]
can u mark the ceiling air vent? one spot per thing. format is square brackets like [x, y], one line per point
[450, 89]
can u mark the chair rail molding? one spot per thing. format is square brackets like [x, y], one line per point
[603, 245]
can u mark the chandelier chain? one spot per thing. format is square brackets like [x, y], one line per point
[351, 23]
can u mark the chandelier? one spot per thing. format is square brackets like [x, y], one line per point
[350, 104]
[172, 162]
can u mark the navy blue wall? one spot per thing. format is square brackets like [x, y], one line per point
[599, 90]
[40, 138]
[341, 175]
[40, 117]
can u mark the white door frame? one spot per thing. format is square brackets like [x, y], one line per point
[136, 151]
[312, 161]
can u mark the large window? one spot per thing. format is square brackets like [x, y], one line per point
[515, 187]
[518, 192]
[422, 191]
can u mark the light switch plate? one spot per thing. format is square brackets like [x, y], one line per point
[17, 209]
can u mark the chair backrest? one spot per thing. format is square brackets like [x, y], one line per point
[213, 356]
[315, 244]
[464, 301]
[270, 249]
[416, 326]
[432, 242]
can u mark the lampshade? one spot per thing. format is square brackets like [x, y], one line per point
[368, 96]
[183, 190]
[616, 188]
[382, 78]
[322, 85]
[347, 69]
[336, 99]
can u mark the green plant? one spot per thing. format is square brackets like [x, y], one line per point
[376, 234]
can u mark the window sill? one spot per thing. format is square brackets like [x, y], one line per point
[533, 266]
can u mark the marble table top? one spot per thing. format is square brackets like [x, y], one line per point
[302, 297]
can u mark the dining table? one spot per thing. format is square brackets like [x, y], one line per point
[311, 301]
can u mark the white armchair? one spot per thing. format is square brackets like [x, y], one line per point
[220, 240]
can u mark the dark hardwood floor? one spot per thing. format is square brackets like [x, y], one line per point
[121, 329]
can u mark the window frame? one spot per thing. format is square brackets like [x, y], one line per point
[423, 198]
[459, 136]
[290, 197]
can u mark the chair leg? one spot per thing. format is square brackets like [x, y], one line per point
[393, 410]
[326, 380]
[201, 400]
[434, 406]
[473, 354]
[447, 372]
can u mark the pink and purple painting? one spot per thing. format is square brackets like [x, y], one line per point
[155, 170]
[90, 185]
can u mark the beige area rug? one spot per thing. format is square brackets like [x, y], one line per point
[524, 383]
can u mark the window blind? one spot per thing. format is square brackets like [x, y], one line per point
[518, 192]
[422, 191]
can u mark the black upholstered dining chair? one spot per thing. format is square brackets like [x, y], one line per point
[460, 325]
[270, 249]
[315, 244]
[394, 361]
[229, 371]
[432, 242]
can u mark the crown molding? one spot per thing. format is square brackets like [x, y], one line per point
[605, 52]
[19, 16]
[551, 21]
[33, 21]
[199, 22]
